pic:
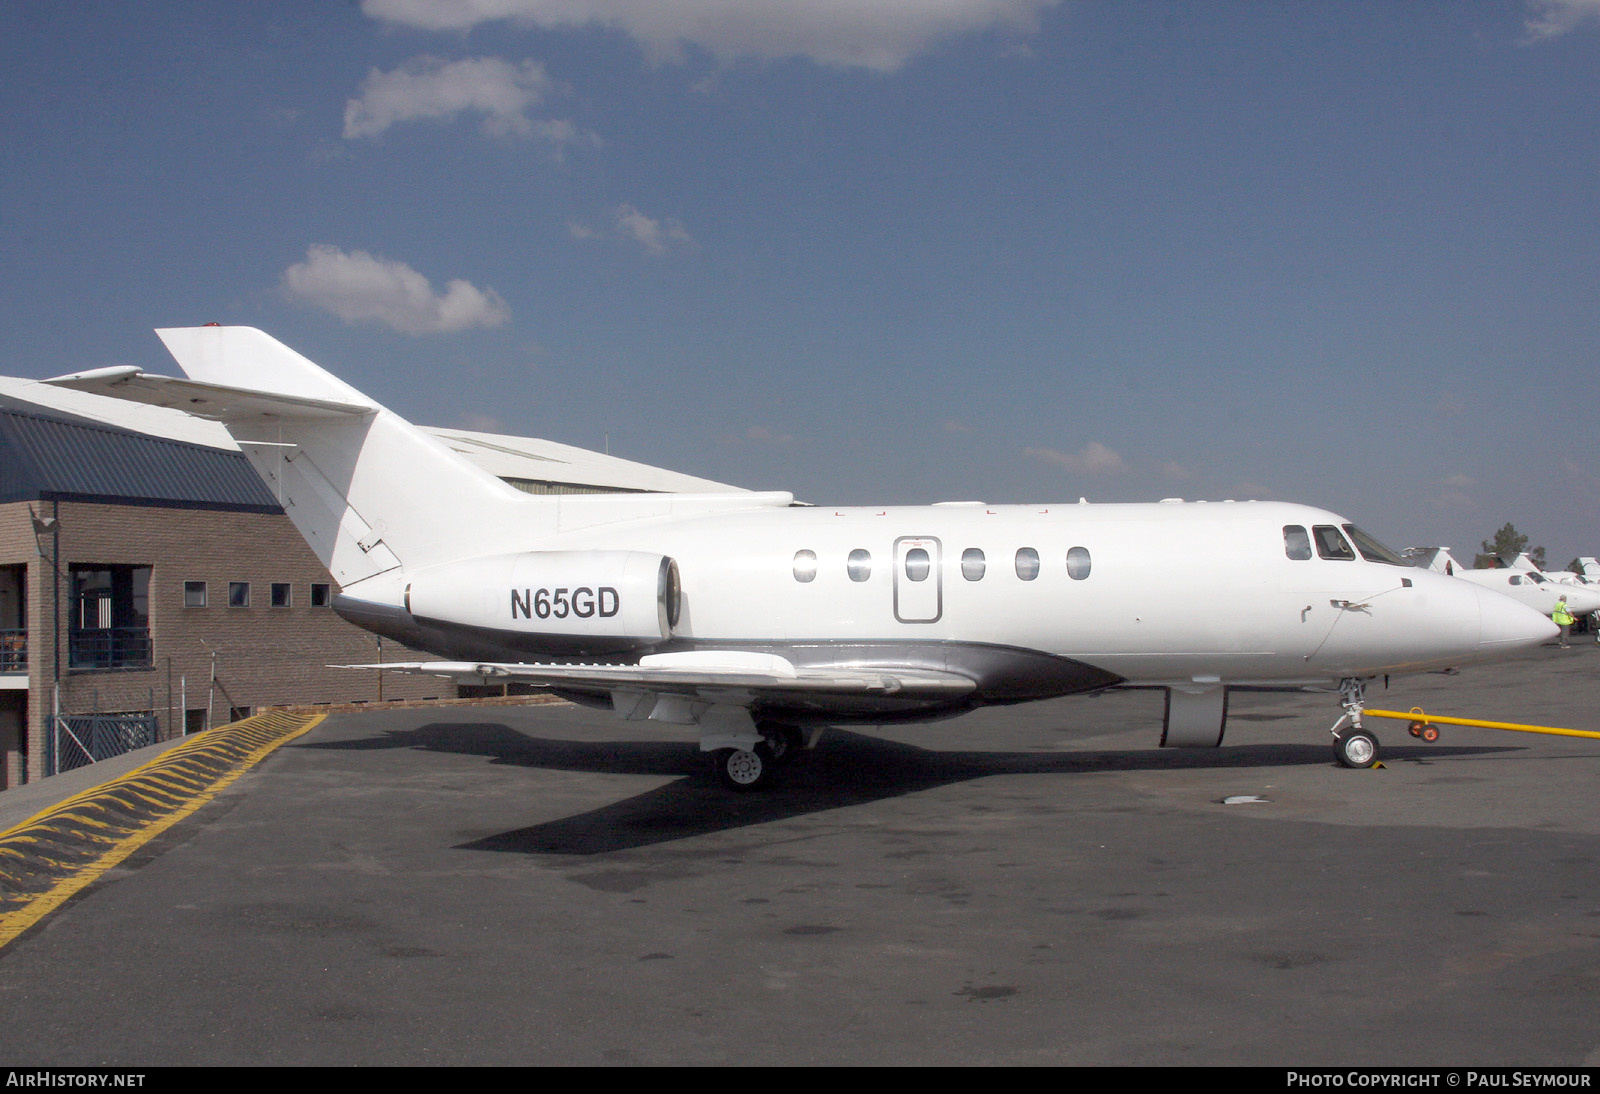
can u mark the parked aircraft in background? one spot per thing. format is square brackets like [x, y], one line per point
[754, 620]
[1532, 587]
[1561, 577]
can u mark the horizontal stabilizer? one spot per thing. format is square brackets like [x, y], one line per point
[217, 402]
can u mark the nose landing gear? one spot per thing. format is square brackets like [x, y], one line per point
[1353, 745]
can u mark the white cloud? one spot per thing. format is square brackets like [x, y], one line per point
[427, 88]
[1553, 18]
[653, 235]
[1095, 459]
[874, 34]
[363, 288]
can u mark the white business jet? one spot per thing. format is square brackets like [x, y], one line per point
[1530, 586]
[756, 620]
[1524, 562]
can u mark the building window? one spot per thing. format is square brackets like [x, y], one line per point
[194, 594]
[238, 594]
[280, 594]
[110, 617]
[319, 595]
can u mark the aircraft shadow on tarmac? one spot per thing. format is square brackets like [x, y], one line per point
[848, 769]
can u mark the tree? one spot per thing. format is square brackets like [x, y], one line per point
[1507, 543]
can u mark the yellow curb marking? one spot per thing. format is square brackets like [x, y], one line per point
[259, 736]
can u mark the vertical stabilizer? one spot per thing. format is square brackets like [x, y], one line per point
[368, 490]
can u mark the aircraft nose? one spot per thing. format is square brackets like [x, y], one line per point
[1504, 624]
[1581, 600]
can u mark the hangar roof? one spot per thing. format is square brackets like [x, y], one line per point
[530, 463]
[50, 454]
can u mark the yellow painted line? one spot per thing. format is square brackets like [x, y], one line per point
[1418, 716]
[262, 733]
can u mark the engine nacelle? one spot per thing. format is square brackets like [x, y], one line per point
[580, 599]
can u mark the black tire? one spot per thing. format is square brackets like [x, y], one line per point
[741, 770]
[784, 742]
[1355, 748]
[1430, 733]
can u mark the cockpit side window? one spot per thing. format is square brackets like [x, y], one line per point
[1371, 549]
[1330, 544]
[1537, 579]
[1296, 544]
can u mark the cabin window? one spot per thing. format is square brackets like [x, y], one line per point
[1027, 563]
[860, 565]
[1330, 544]
[918, 564]
[805, 565]
[1515, 579]
[972, 564]
[1078, 563]
[1296, 543]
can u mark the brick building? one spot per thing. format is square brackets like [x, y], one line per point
[150, 587]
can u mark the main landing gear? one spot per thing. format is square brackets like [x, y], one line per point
[752, 768]
[1353, 745]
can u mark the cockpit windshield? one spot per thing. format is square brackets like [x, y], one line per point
[1371, 549]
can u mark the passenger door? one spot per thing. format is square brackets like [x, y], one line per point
[918, 580]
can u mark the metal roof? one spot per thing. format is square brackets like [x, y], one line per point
[529, 463]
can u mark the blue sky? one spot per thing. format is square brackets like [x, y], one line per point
[869, 251]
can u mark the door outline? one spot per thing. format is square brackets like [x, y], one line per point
[918, 601]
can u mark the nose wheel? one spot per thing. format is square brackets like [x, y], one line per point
[1355, 748]
[1353, 744]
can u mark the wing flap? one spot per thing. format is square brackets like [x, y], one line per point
[738, 682]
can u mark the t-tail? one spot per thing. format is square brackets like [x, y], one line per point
[367, 489]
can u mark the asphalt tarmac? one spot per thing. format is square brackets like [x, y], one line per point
[1028, 885]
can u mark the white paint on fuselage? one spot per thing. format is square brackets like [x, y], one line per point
[1176, 592]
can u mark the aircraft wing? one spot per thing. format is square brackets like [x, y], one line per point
[204, 400]
[733, 678]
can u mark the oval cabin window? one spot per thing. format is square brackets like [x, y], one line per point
[805, 565]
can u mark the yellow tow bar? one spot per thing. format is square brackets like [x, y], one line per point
[1425, 727]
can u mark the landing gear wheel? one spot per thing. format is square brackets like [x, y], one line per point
[1355, 748]
[741, 769]
[783, 742]
[1430, 733]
